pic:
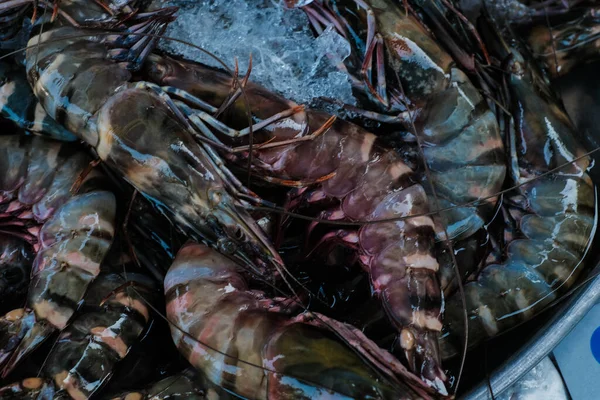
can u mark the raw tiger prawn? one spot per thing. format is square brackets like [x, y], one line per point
[155, 153]
[65, 235]
[112, 320]
[404, 78]
[552, 214]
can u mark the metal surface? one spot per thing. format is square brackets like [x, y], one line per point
[540, 345]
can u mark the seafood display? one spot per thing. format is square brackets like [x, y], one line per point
[172, 229]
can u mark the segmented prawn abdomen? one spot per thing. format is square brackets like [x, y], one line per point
[465, 154]
[204, 292]
[75, 241]
[68, 261]
[33, 179]
[403, 268]
[72, 101]
[88, 350]
[555, 213]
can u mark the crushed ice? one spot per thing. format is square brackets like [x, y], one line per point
[286, 57]
[543, 382]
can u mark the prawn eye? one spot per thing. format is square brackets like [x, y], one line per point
[226, 246]
[158, 71]
[215, 197]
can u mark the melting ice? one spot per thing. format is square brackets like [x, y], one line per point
[286, 57]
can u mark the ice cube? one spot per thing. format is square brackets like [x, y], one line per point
[286, 57]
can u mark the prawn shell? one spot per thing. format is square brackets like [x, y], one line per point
[18, 104]
[88, 350]
[71, 258]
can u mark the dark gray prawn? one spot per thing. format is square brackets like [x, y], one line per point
[113, 316]
[552, 214]
[148, 145]
[19, 105]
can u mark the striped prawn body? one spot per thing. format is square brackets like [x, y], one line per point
[67, 234]
[405, 77]
[19, 105]
[551, 215]
[111, 320]
[136, 133]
